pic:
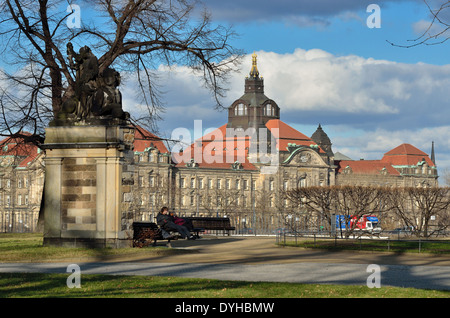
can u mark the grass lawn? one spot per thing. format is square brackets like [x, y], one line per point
[109, 286]
[28, 248]
[432, 247]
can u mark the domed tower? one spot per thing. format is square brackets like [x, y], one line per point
[322, 139]
[253, 109]
[250, 113]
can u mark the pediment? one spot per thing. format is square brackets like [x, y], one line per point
[304, 156]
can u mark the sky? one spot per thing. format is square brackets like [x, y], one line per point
[322, 64]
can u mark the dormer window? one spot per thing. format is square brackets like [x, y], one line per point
[240, 110]
[269, 110]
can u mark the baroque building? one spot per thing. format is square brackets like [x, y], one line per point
[403, 166]
[240, 170]
[21, 185]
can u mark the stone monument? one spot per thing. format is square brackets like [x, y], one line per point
[89, 162]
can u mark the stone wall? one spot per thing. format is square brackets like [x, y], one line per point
[79, 194]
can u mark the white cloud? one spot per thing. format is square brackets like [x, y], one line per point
[316, 80]
[374, 144]
[377, 104]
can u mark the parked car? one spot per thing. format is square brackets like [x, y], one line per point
[403, 230]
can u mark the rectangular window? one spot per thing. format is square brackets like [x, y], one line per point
[151, 181]
[152, 199]
[241, 110]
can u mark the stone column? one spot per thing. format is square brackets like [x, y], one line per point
[86, 167]
[53, 197]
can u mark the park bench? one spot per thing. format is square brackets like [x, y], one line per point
[212, 223]
[146, 233]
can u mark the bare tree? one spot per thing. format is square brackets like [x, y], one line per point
[351, 202]
[438, 28]
[446, 177]
[220, 201]
[319, 200]
[354, 202]
[134, 35]
[417, 206]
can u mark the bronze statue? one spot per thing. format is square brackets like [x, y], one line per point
[94, 95]
[107, 99]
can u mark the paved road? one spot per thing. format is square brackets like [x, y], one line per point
[427, 277]
[258, 259]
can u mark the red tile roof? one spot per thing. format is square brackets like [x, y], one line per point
[406, 155]
[16, 147]
[366, 167]
[144, 139]
[217, 151]
[285, 134]
[216, 146]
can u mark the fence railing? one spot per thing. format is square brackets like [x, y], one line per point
[372, 243]
[20, 221]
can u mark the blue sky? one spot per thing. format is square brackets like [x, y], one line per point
[343, 35]
[322, 64]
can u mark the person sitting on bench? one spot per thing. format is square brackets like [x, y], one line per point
[166, 222]
[182, 221]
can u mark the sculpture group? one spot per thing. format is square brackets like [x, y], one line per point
[95, 94]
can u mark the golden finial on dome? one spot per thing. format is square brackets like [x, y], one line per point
[254, 73]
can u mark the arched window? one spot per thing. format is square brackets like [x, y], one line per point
[269, 110]
[240, 110]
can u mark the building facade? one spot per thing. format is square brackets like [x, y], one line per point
[240, 170]
[21, 185]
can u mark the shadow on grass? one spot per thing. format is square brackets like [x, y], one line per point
[108, 286]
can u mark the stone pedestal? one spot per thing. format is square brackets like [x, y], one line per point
[88, 186]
